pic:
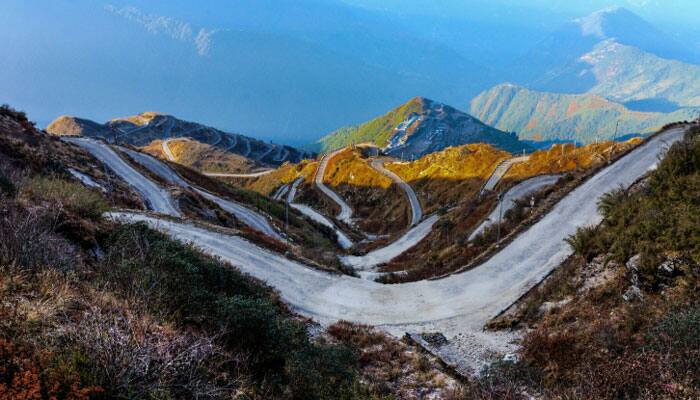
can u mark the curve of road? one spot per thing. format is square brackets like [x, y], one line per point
[371, 260]
[343, 240]
[345, 209]
[518, 191]
[247, 216]
[156, 198]
[416, 210]
[165, 146]
[500, 171]
[453, 305]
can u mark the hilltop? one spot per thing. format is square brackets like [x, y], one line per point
[421, 126]
[141, 130]
[580, 117]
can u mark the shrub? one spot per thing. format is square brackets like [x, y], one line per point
[584, 242]
[27, 239]
[153, 271]
[72, 196]
[610, 201]
[6, 186]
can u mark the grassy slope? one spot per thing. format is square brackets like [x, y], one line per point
[203, 157]
[546, 116]
[450, 176]
[377, 131]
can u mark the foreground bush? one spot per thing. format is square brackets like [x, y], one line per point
[59, 193]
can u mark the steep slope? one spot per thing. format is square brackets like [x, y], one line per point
[583, 118]
[142, 129]
[625, 73]
[419, 127]
[201, 156]
[554, 64]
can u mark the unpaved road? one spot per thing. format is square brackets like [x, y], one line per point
[343, 240]
[166, 150]
[518, 191]
[454, 305]
[374, 258]
[345, 210]
[416, 210]
[500, 171]
[249, 217]
[247, 176]
[156, 198]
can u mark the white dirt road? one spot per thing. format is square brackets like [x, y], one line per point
[518, 191]
[454, 305]
[416, 210]
[345, 214]
[155, 197]
[249, 217]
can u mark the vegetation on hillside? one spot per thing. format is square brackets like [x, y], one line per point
[203, 157]
[620, 318]
[91, 309]
[567, 158]
[377, 131]
[584, 118]
[451, 176]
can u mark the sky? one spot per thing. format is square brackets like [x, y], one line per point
[282, 70]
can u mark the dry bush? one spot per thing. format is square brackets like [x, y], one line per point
[134, 358]
[61, 194]
[28, 238]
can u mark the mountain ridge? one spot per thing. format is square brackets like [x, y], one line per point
[418, 127]
[142, 129]
[581, 117]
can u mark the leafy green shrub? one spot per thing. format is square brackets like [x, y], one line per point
[75, 197]
[610, 201]
[584, 242]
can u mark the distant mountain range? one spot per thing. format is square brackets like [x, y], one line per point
[561, 62]
[581, 117]
[140, 130]
[606, 70]
[419, 127]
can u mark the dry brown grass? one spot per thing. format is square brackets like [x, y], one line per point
[378, 204]
[563, 158]
[203, 157]
[393, 368]
[451, 176]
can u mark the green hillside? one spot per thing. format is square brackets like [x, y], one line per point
[378, 131]
[584, 118]
[626, 73]
[419, 127]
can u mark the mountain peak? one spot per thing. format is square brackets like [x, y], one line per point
[607, 22]
[421, 126]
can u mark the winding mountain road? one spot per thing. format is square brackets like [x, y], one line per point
[500, 171]
[454, 305]
[155, 197]
[371, 260]
[345, 209]
[343, 240]
[416, 210]
[518, 191]
[249, 217]
[245, 176]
